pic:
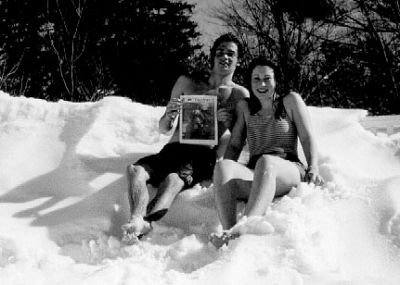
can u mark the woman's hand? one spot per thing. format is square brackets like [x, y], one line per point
[312, 176]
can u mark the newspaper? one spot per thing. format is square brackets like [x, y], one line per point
[198, 120]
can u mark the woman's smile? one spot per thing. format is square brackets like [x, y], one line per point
[262, 91]
[263, 82]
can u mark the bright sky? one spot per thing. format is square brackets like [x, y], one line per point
[63, 200]
[210, 27]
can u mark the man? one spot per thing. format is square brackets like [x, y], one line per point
[180, 166]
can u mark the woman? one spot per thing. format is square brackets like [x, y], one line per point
[272, 125]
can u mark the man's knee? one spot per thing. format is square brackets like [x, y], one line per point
[137, 172]
[173, 181]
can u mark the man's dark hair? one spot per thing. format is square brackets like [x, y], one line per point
[228, 37]
[202, 75]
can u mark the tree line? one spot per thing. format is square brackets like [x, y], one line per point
[338, 53]
[81, 50]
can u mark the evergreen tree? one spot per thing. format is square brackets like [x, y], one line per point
[148, 44]
[78, 50]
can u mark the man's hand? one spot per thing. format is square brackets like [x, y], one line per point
[224, 116]
[173, 108]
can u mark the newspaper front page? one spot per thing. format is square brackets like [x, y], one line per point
[198, 120]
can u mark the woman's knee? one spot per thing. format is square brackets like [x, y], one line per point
[267, 164]
[223, 169]
[285, 172]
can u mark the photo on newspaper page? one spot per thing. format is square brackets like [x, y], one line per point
[198, 120]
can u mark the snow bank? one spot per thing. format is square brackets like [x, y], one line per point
[63, 200]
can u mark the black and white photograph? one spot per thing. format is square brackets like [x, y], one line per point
[200, 142]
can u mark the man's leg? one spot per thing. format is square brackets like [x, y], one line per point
[167, 191]
[138, 195]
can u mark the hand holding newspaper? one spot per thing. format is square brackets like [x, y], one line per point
[198, 120]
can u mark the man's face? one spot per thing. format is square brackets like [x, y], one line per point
[226, 58]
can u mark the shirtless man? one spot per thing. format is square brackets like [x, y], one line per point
[180, 166]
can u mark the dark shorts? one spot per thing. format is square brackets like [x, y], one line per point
[192, 163]
[288, 156]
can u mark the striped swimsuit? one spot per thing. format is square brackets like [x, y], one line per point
[267, 135]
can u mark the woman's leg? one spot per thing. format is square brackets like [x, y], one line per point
[273, 176]
[231, 179]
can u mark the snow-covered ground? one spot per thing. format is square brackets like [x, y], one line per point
[63, 200]
[388, 124]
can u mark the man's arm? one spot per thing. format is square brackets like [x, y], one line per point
[239, 93]
[238, 135]
[167, 120]
[227, 118]
[242, 93]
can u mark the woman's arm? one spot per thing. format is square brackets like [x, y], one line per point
[238, 134]
[297, 109]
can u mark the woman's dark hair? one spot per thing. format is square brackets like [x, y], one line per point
[254, 102]
[228, 37]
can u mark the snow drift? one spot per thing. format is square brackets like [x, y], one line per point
[63, 200]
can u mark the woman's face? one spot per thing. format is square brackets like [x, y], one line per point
[263, 82]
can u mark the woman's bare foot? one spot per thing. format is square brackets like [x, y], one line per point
[223, 238]
[134, 230]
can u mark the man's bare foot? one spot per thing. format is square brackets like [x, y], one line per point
[134, 230]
